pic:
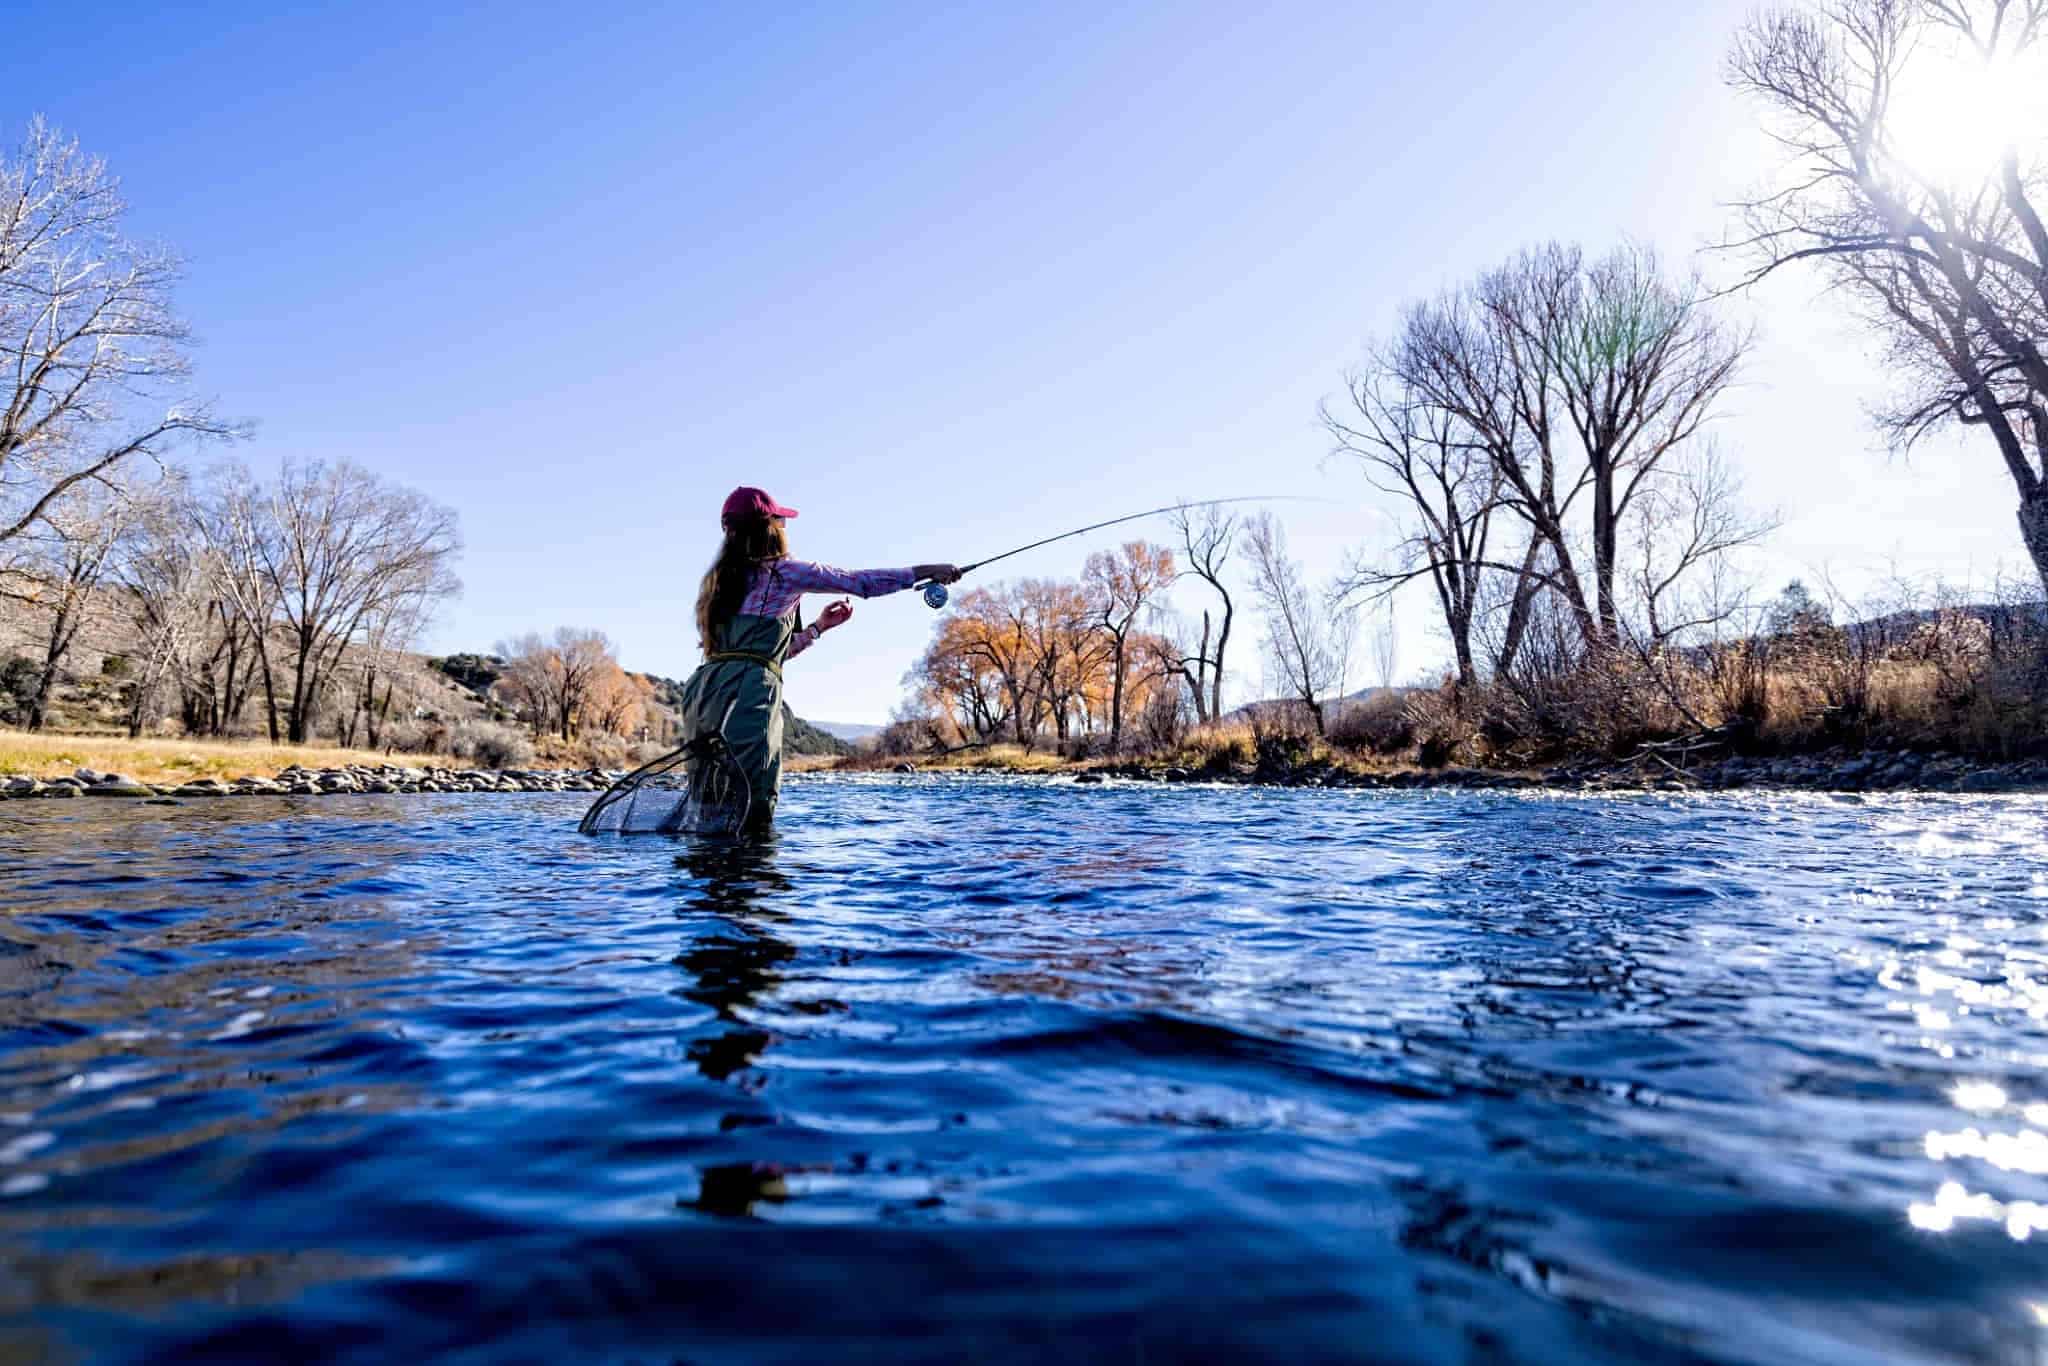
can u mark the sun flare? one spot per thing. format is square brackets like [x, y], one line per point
[1955, 112]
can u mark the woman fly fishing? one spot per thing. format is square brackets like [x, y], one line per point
[727, 774]
[747, 623]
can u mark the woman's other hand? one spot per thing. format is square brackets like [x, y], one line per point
[937, 573]
[835, 614]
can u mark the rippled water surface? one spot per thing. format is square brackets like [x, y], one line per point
[991, 1070]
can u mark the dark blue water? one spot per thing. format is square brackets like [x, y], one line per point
[990, 1070]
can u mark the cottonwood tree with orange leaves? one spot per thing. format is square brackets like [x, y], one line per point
[1123, 587]
[619, 703]
[1052, 659]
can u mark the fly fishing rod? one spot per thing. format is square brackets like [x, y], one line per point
[935, 594]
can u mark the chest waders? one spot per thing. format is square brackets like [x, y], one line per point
[726, 776]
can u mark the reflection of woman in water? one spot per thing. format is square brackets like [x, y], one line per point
[747, 624]
[731, 967]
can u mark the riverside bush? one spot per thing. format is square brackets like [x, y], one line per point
[1379, 723]
[489, 745]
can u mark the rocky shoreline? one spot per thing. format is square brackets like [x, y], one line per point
[1826, 771]
[317, 782]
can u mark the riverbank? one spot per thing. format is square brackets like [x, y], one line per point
[158, 762]
[173, 770]
[299, 781]
[1840, 769]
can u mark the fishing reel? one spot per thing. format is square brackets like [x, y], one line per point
[935, 595]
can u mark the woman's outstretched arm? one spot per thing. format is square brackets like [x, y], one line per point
[788, 580]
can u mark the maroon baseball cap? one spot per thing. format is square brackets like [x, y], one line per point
[748, 502]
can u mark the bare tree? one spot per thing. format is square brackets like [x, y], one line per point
[1941, 241]
[378, 660]
[347, 551]
[1688, 520]
[241, 541]
[1578, 379]
[1307, 646]
[1207, 537]
[68, 557]
[87, 335]
[1449, 484]
[1631, 365]
[1386, 649]
[167, 576]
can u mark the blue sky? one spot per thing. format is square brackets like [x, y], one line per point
[945, 278]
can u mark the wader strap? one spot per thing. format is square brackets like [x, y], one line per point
[745, 656]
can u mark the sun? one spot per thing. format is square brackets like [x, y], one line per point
[1954, 111]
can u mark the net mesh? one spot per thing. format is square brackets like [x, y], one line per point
[698, 789]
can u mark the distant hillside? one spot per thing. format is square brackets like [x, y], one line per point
[853, 732]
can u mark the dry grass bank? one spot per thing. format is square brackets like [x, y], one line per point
[1233, 748]
[177, 761]
[1003, 758]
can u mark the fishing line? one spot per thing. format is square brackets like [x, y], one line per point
[935, 594]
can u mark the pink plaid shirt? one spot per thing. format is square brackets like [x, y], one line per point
[780, 584]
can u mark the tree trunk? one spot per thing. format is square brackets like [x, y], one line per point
[1604, 554]
[38, 703]
[269, 694]
[61, 633]
[295, 719]
[1216, 679]
[2034, 530]
[1526, 589]
[1116, 699]
[1461, 644]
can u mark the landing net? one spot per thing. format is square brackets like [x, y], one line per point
[698, 789]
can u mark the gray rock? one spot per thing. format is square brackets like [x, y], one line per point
[1088, 778]
[115, 786]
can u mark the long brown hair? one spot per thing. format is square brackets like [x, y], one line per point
[749, 542]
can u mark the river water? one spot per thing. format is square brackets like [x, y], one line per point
[962, 1069]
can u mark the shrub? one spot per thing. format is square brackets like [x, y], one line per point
[407, 736]
[1380, 723]
[600, 750]
[489, 745]
[1441, 724]
[18, 677]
